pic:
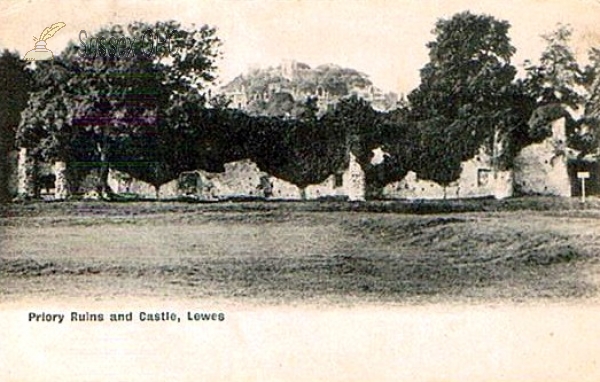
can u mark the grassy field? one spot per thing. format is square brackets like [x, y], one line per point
[381, 252]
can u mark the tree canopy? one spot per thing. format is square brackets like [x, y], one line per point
[462, 100]
[121, 104]
[15, 84]
[561, 87]
[151, 115]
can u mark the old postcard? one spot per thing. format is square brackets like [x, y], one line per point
[303, 190]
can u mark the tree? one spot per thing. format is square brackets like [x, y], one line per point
[398, 138]
[280, 104]
[592, 83]
[358, 131]
[136, 98]
[15, 84]
[516, 126]
[461, 102]
[557, 76]
[151, 101]
[588, 133]
[45, 128]
[437, 159]
[302, 152]
[308, 110]
[560, 87]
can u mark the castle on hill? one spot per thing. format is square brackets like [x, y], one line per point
[292, 83]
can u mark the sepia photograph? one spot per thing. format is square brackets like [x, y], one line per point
[299, 190]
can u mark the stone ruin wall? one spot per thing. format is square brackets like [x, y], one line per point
[13, 157]
[541, 169]
[477, 180]
[243, 179]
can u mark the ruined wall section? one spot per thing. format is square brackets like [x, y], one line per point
[26, 175]
[243, 179]
[353, 180]
[12, 174]
[541, 169]
[478, 179]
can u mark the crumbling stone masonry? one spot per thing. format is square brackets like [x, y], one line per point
[26, 175]
[541, 168]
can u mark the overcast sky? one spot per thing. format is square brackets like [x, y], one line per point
[383, 38]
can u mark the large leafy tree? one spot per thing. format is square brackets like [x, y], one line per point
[360, 129]
[557, 75]
[561, 87]
[15, 84]
[436, 159]
[45, 129]
[398, 138]
[592, 84]
[130, 102]
[462, 102]
[359, 123]
[311, 148]
[586, 136]
[302, 151]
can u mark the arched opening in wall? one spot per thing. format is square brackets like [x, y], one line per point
[339, 179]
[266, 186]
[189, 183]
[44, 181]
[46, 184]
[483, 177]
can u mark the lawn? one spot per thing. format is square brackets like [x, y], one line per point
[381, 252]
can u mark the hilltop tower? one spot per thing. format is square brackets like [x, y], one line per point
[289, 69]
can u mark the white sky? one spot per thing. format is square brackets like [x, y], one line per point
[383, 38]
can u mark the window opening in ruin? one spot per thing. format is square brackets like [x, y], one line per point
[189, 183]
[339, 179]
[483, 177]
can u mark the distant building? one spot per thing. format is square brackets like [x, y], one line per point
[290, 77]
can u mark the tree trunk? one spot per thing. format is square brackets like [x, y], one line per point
[303, 193]
[157, 192]
[62, 184]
